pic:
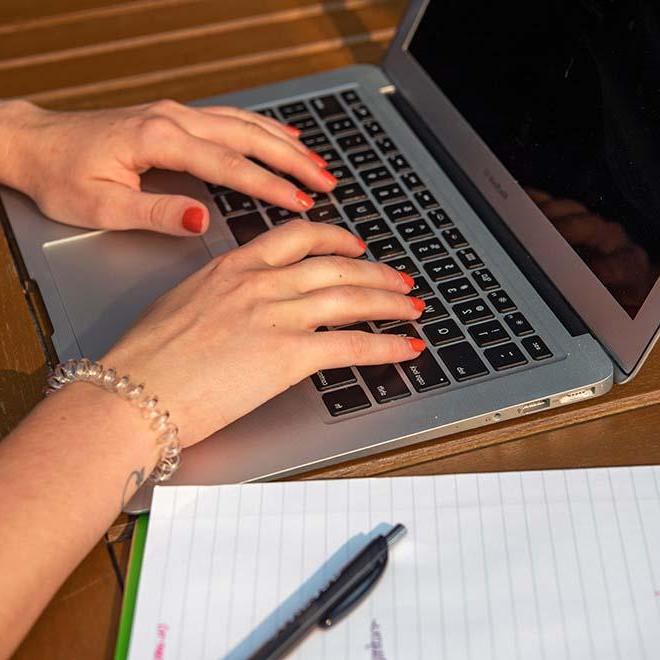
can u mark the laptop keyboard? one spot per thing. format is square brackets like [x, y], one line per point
[471, 326]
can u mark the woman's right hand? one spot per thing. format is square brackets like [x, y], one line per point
[243, 328]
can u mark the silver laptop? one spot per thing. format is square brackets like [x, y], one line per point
[474, 110]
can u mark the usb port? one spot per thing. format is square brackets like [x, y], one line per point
[534, 406]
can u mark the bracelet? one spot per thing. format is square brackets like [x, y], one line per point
[93, 372]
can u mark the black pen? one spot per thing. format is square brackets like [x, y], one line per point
[336, 599]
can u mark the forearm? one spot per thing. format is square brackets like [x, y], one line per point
[63, 476]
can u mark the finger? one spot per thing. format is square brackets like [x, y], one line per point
[537, 195]
[327, 271]
[556, 208]
[120, 207]
[166, 145]
[250, 139]
[256, 117]
[348, 304]
[298, 239]
[344, 348]
[592, 231]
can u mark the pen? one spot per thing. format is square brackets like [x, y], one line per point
[338, 597]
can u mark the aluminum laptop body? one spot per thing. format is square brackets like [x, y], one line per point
[95, 284]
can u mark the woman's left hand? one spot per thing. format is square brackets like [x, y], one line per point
[83, 168]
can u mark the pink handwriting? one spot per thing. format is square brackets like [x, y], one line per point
[161, 634]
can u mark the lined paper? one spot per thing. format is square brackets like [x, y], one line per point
[519, 565]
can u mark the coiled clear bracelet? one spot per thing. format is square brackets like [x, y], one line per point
[93, 372]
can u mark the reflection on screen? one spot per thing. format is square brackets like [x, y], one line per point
[567, 94]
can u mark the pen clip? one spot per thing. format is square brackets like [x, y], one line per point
[331, 616]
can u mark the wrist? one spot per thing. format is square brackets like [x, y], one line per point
[18, 142]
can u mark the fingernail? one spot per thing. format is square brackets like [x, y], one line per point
[418, 304]
[292, 130]
[329, 177]
[362, 244]
[319, 160]
[304, 200]
[407, 280]
[193, 219]
[416, 344]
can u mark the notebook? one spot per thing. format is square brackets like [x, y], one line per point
[549, 564]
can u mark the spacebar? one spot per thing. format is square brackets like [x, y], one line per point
[246, 227]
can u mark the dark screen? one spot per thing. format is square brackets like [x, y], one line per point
[567, 94]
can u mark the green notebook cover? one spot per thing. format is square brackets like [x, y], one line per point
[131, 587]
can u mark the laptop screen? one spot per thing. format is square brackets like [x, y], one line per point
[566, 93]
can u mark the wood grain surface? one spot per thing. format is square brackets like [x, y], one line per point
[72, 54]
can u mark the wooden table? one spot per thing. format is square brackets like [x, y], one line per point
[72, 54]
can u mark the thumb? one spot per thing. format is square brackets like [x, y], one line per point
[177, 215]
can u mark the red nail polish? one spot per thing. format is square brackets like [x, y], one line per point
[407, 280]
[362, 244]
[304, 200]
[418, 304]
[329, 177]
[193, 219]
[416, 344]
[292, 130]
[319, 160]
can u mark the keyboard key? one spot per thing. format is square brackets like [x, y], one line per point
[469, 258]
[536, 347]
[485, 279]
[489, 333]
[519, 324]
[362, 112]
[384, 382]
[330, 156]
[348, 400]
[357, 327]
[327, 106]
[501, 302]
[473, 311]
[341, 125]
[442, 269]
[506, 356]
[279, 215]
[426, 200]
[351, 96]
[326, 213]
[389, 247]
[443, 332]
[423, 372]
[373, 229]
[412, 230]
[341, 173]
[234, 202]
[404, 265]
[422, 288]
[412, 181]
[292, 109]
[349, 192]
[401, 211]
[216, 189]
[351, 142]
[315, 140]
[428, 249]
[305, 124]
[462, 361]
[454, 238]
[434, 310]
[267, 112]
[362, 159]
[373, 128]
[398, 162]
[329, 378]
[361, 211]
[385, 145]
[317, 197]
[246, 227]
[388, 193]
[439, 218]
[376, 175]
[456, 290]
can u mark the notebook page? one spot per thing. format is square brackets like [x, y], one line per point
[548, 565]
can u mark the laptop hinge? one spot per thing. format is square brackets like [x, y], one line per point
[539, 280]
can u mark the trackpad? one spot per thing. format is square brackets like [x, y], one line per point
[107, 279]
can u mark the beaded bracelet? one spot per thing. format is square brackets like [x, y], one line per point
[93, 372]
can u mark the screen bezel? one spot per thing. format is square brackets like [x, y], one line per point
[627, 340]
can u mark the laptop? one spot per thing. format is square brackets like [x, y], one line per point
[503, 157]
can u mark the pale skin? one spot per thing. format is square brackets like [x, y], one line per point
[249, 315]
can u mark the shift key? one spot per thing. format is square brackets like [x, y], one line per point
[384, 382]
